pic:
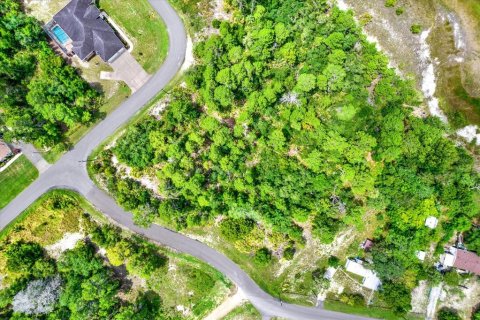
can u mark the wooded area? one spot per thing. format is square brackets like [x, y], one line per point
[79, 285]
[292, 116]
[62, 260]
[40, 95]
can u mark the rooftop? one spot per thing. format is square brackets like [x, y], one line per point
[5, 150]
[421, 255]
[367, 245]
[431, 222]
[468, 261]
[90, 33]
[370, 279]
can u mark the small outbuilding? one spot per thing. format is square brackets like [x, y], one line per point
[421, 255]
[431, 222]
[329, 273]
[370, 278]
[367, 245]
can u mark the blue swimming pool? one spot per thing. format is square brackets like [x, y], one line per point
[60, 34]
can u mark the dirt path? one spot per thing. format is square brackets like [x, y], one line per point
[228, 305]
[432, 302]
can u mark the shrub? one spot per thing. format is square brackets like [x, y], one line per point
[118, 253]
[476, 315]
[452, 278]
[319, 279]
[472, 239]
[416, 28]
[352, 299]
[146, 261]
[262, 257]
[235, 229]
[397, 296]
[448, 314]
[21, 256]
[400, 11]
[199, 281]
[333, 261]
[365, 19]
[38, 297]
[106, 236]
[142, 155]
[390, 3]
[325, 228]
[216, 23]
[288, 253]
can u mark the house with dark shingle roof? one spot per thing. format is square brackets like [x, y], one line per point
[80, 28]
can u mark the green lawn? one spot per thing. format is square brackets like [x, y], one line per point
[16, 178]
[372, 312]
[144, 27]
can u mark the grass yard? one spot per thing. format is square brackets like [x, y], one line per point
[244, 312]
[16, 178]
[144, 27]
[366, 311]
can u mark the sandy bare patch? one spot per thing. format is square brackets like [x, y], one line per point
[189, 58]
[68, 242]
[463, 299]
[228, 305]
[148, 182]
[470, 133]
[420, 297]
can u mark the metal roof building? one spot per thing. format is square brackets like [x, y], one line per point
[370, 278]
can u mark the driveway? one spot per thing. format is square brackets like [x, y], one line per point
[126, 68]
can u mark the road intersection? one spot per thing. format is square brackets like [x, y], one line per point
[70, 172]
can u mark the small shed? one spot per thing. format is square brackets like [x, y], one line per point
[329, 273]
[367, 245]
[431, 222]
[421, 255]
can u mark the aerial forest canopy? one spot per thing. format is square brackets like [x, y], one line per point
[292, 116]
[40, 95]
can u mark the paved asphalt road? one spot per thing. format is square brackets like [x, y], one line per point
[70, 173]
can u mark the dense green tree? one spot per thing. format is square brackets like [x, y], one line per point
[397, 296]
[291, 117]
[22, 256]
[472, 239]
[236, 228]
[41, 96]
[448, 314]
[262, 257]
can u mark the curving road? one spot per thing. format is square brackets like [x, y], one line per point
[70, 173]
